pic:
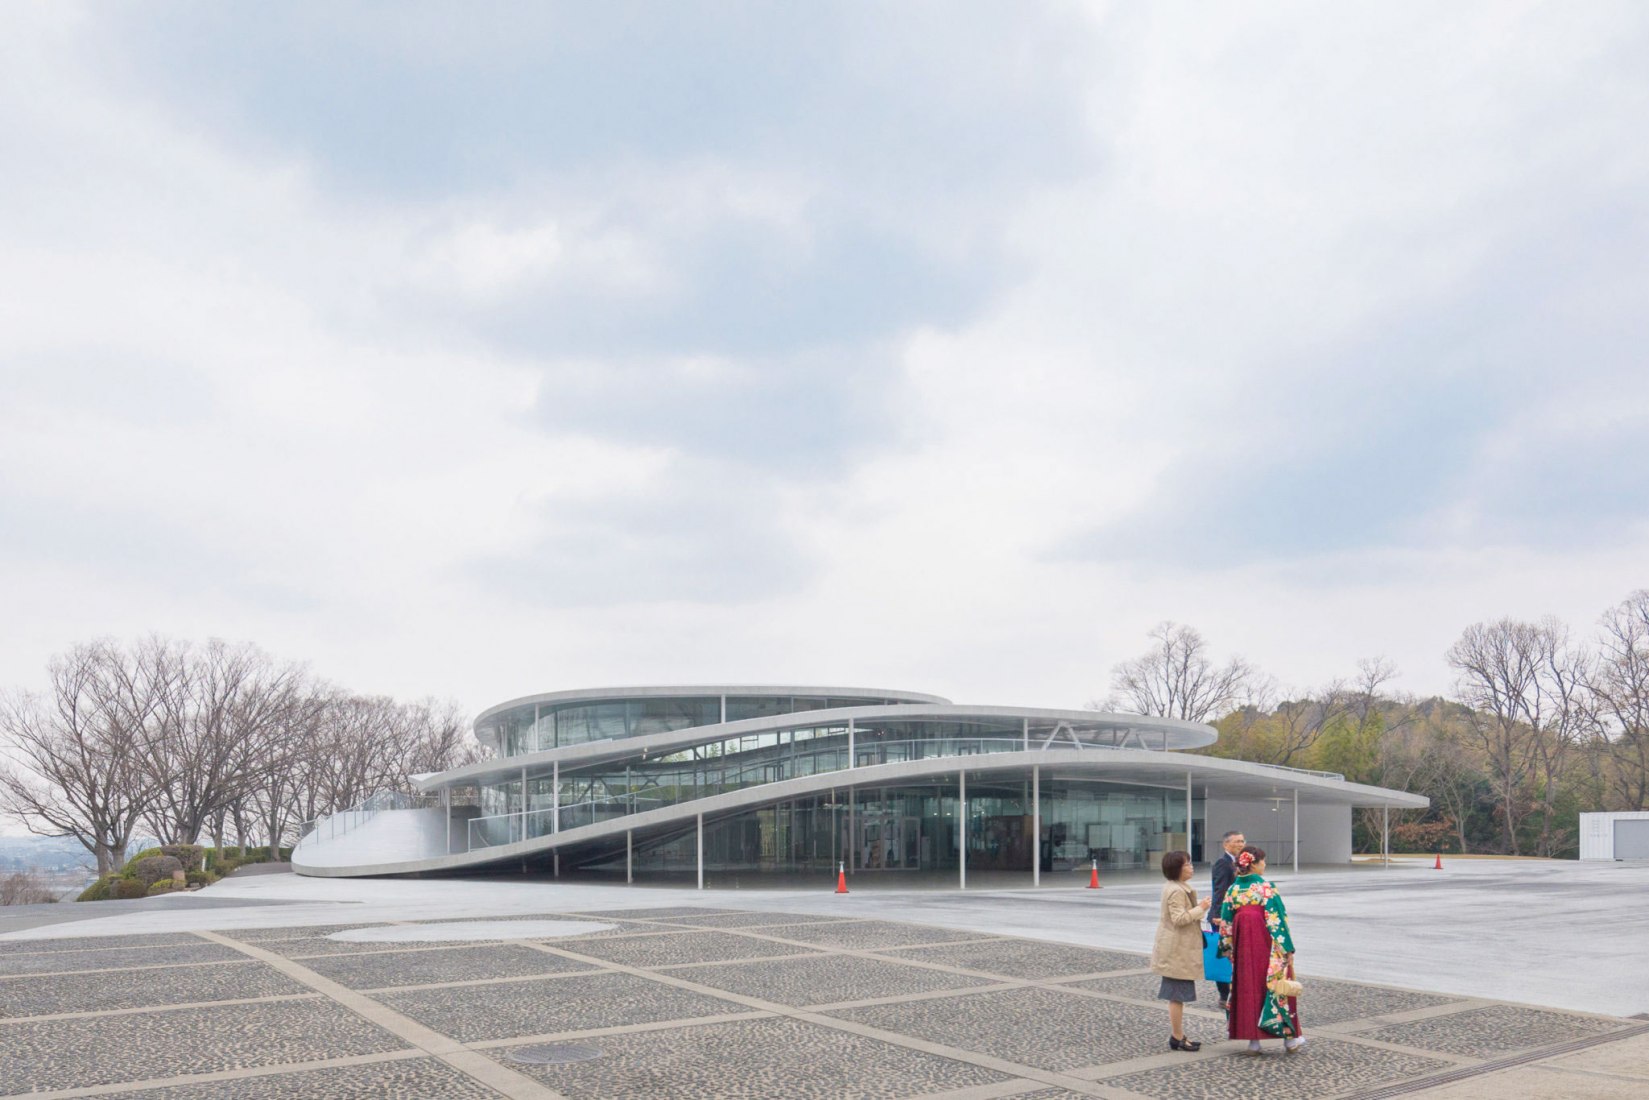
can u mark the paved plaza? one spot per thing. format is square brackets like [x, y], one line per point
[679, 994]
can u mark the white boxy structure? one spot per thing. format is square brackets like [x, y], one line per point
[1623, 835]
[655, 780]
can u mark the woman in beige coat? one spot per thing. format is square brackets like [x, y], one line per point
[1177, 953]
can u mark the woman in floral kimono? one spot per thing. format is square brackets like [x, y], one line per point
[1256, 939]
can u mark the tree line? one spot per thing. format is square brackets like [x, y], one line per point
[188, 741]
[1542, 724]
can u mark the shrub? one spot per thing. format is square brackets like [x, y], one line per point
[226, 867]
[99, 890]
[147, 853]
[230, 852]
[200, 878]
[190, 855]
[154, 868]
[162, 886]
[125, 888]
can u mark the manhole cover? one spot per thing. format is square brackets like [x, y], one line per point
[553, 1054]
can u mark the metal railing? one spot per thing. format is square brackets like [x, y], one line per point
[333, 825]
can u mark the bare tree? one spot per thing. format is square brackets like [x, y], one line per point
[1177, 678]
[1621, 685]
[81, 753]
[1526, 686]
[222, 724]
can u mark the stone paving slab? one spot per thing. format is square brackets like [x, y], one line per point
[827, 979]
[92, 943]
[1031, 959]
[552, 1005]
[679, 947]
[941, 1028]
[173, 985]
[1034, 1026]
[755, 1060]
[401, 1079]
[117, 958]
[865, 935]
[385, 969]
[262, 936]
[750, 920]
[1489, 1032]
[1323, 1069]
[101, 1050]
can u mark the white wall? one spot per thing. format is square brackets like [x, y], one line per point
[1597, 832]
[1325, 831]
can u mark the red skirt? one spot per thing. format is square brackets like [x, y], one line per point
[1251, 959]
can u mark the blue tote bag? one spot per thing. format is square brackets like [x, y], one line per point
[1214, 968]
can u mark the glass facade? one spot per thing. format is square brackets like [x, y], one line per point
[538, 727]
[916, 828]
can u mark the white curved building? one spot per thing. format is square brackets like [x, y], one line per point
[650, 780]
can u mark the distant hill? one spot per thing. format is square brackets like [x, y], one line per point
[51, 853]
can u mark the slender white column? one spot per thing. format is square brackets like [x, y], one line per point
[701, 850]
[555, 797]
[629, 856]
[1385, 835]
[1036, 819]
[446, 802]
[962, 826]
[852, 836]
[852, 756]
[1296, 831]
[1027, 736]
[523, 835]
[1188, 828]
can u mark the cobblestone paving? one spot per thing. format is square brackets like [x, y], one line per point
[1488, 1032]
[1324, 1068]
[938, 1022]
[828, 979]
[865, 935]
[1143, 987]
[1035, 1027]
[1327, 1002]
[455, 964]
[680, 947]
[401, 1079]
[101, 1050]
[174, 985]
[261, 935]
[752, 1059]
[1025, 958]
[575, 1003]
[92, 943]
[747, 920]
[114, 958]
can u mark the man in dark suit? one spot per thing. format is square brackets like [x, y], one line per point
[1225, 869]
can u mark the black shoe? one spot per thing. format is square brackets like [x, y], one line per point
[1187, 1045]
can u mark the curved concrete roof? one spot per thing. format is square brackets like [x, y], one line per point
[1219, 777]
[1151, 733]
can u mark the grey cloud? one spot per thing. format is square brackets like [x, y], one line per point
[705, 534]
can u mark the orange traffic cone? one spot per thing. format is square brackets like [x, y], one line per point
[1438, 866]
[841, 878]
[1093, 877]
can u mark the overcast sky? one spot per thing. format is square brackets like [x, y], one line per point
[480, 350]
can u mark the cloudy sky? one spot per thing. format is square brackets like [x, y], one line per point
[473, 351]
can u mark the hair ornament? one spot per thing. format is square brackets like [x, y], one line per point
[1245, 860]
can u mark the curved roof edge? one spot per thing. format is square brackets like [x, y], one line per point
[1177, 734]
[651, 691]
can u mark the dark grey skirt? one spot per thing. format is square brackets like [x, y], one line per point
[1177, 989]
